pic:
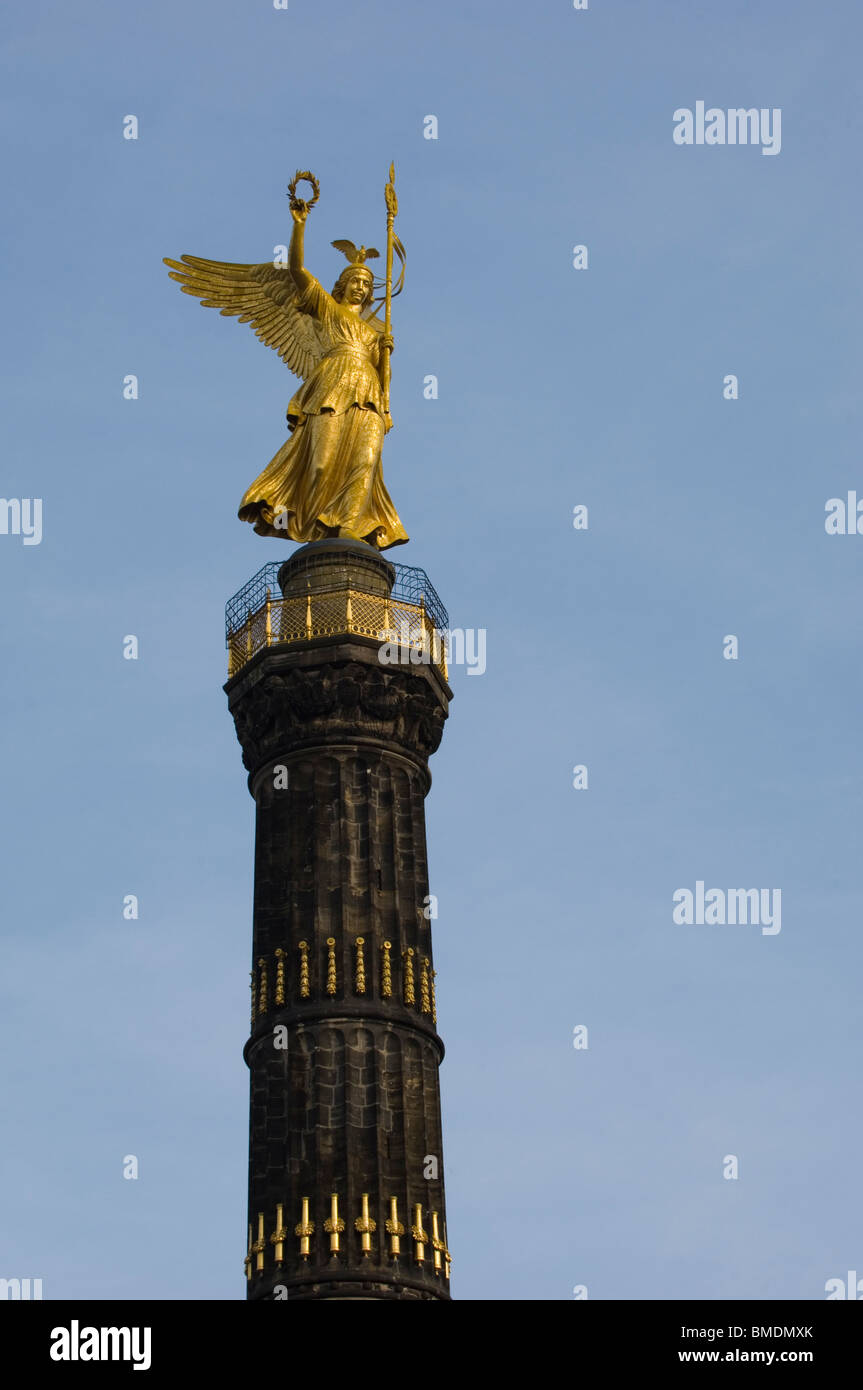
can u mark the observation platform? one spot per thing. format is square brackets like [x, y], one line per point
[336, 588]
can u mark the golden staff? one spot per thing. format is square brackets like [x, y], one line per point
[392, 209]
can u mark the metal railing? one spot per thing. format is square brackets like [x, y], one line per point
[412, 585]
[408, 629]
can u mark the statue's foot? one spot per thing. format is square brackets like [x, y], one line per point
[346, 534]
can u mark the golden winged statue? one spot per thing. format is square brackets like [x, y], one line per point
[327, 478]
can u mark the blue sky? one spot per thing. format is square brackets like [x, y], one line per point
[556, 387]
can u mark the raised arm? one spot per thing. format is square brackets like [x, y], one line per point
[301, 277]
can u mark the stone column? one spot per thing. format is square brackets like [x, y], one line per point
[344, 1050]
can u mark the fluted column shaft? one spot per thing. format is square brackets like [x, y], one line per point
[343, 1050]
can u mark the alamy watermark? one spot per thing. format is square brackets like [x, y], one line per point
[22, 516]
[411, 644]
[737, 126]
[729, 906]
[77, 1343]
[20, 1289]
[850, 1288]
[844, 516]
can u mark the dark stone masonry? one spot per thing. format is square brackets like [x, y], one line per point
[344, 1051]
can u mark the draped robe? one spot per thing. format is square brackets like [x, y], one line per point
[328, 475]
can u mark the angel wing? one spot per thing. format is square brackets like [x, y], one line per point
[264, 296]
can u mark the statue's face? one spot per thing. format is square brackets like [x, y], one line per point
[357, 286]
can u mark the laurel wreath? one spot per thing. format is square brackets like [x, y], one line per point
[300, 204]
